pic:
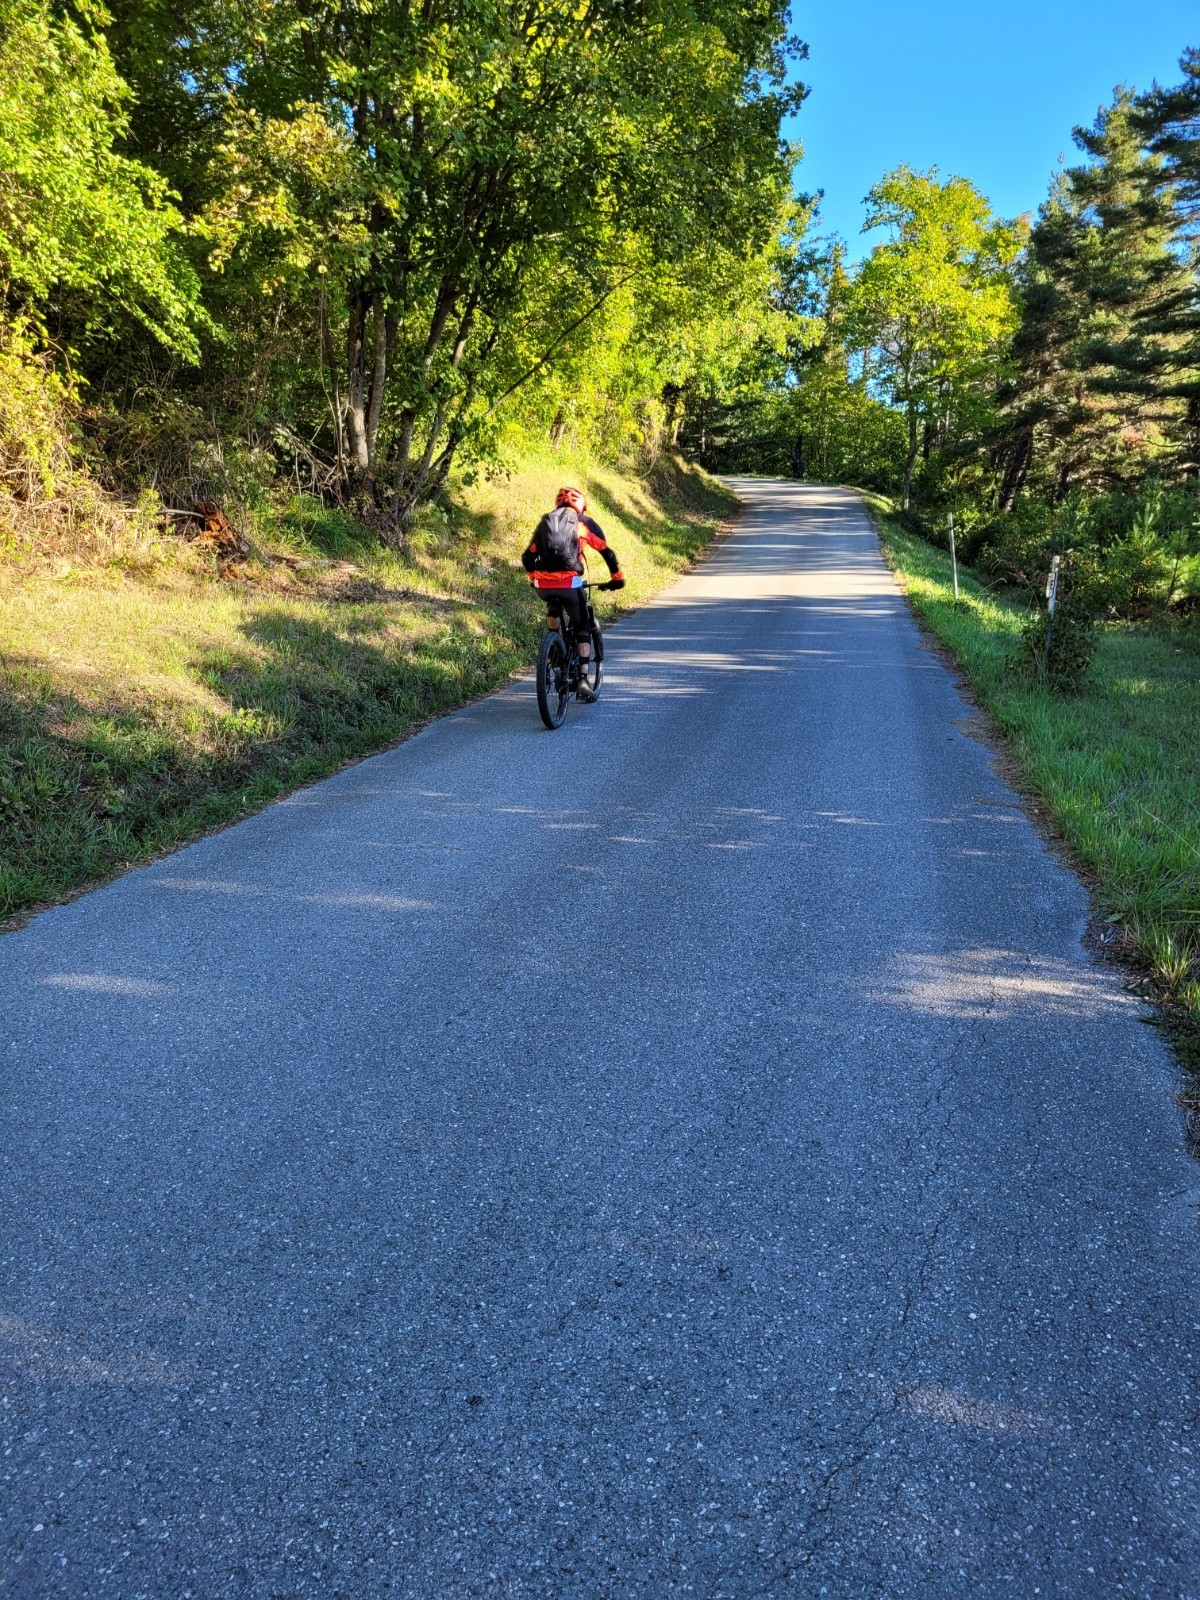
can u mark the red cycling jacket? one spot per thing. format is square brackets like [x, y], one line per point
[590, 535]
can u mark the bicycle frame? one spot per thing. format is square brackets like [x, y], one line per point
[567, 628]
[574, 675]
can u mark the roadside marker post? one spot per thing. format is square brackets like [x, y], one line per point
[954, 556]
[1051, 603]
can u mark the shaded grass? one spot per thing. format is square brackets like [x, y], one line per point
[1117, 766]
[141, 704]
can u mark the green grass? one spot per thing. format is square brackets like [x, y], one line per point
[149, 698]
[1117, 766]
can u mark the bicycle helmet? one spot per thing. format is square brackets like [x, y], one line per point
[573, 498]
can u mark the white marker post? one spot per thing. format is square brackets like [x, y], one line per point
[1051, 604]
[954, 556]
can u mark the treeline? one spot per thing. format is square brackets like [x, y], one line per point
[348, 245]
[1039, 379]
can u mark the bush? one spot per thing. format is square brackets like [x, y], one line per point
[34, 418]
[913, 522]
[1072, 647]
[1016, 547]
[1132, 553]
[49, 502]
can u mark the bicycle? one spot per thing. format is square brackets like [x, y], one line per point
[560, 671]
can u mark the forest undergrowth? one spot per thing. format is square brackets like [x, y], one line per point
[1114, 765]
[151, 688]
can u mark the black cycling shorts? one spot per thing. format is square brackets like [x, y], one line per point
[568, 603]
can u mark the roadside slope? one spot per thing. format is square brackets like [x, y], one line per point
[151, 695]
[1115, 766]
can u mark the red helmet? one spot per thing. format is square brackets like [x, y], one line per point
[573, 498]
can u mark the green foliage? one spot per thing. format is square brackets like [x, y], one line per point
[1134, 553]
[891, 356]
[419, 236]
[1114, 763]
[933, 304]
[1042, 386]
[660, 359]
[75, 215]
[1081, 407]
[1058, 651]
[442, 203]
[33, 415]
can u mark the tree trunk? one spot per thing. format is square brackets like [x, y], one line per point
[357, 445]
[913, 445]
[558, 429]
[672, 395]
[1016, 469]
[329, 355]
[383, 328]
[798, 457]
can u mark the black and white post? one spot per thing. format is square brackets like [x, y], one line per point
[1051, 604]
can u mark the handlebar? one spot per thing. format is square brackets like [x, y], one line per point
[587, 584]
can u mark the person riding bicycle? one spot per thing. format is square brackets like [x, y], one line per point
[554, 562]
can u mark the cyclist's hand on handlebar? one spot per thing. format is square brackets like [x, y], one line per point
[614, 583]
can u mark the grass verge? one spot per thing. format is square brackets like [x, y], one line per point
[1117, 767]
[151, 697]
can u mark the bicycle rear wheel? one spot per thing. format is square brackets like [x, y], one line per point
[553, 691]
[592, 670]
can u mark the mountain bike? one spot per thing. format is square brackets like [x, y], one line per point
[560, 672]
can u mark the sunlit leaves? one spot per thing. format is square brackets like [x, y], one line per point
[933, 305]
[74, 213]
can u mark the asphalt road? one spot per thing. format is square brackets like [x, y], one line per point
[689, 1153]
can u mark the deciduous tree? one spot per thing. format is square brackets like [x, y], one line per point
[495, 160]
[933, 304]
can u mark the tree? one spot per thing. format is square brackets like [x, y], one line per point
[934, 304]
[1135, 280]
[841, 432]
[666, 353]
[1162, 351]
[1086, 402]
[485, 165]
[1044, 415]
[76, 216]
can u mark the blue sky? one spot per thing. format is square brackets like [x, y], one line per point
[987, 91]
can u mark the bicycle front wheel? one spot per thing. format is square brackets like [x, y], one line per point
[553, 690]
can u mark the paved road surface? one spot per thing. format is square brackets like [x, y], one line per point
[685, 1154]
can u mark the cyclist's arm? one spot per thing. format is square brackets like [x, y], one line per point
[591, 535]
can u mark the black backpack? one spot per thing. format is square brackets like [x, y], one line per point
[556, 539]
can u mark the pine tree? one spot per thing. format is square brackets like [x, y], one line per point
[1163, 352]
[1042, 398]
[1137, 280]
[1083, 404]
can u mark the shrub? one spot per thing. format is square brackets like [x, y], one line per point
[34, 404]
[1072, 638]
[49, 502]
[913, 522]
[1016, 546]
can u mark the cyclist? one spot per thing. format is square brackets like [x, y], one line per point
[554, 562]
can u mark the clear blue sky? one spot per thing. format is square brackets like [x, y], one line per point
[988, 91]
